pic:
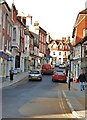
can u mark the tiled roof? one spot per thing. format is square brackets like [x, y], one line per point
[64, 45]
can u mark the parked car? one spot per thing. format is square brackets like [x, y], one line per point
[57, 65]
[59, 76]
[46, 69]
[62, 66]
[35, 75]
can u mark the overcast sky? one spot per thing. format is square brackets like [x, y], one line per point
[55, 16]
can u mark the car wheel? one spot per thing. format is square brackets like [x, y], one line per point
[42, 73]
[28, 79]
[65, 81]
[52, 79]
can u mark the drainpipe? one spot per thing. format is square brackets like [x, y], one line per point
[81, 55]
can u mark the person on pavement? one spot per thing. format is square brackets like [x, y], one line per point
[70, 79]
[82, 80]
[66, 70]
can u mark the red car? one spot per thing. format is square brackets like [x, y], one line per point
[59, 76]
[46, 69]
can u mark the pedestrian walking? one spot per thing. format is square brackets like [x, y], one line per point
[70, 79]
[82, 80]
[66, 70]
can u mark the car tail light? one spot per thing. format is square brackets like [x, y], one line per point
[50, 69]
[54, 75]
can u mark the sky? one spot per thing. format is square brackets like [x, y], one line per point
[57, 17]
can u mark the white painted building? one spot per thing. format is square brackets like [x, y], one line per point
[77, 60]
[15, 45]
[6, 26]
[26, 52]
[59, 51]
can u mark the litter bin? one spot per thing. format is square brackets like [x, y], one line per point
[11, 74]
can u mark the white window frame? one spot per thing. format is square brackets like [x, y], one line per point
[84, 32]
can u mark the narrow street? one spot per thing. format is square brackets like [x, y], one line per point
[36, 99]
[39, 37]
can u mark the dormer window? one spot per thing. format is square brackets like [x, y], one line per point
[60, 45]
[66, 47]
[54, 45]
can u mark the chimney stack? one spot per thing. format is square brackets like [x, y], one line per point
[68, 39]
[29, 20]
[36, 23]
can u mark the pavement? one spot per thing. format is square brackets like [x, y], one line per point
[75, 98]
[6, 82]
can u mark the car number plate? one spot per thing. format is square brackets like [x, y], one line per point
[61, 79]
[34, 77]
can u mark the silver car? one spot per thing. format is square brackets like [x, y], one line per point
[35, 75]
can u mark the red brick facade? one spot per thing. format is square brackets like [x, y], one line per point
[42, 40]
[80, 25]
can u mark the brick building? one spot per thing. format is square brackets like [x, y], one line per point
[79, 54]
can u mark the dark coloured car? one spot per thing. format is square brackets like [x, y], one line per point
[35, 75]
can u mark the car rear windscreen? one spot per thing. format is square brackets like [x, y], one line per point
[46, 66]
[34, 72]
[59, 73]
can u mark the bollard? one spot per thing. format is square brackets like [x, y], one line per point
[11, 74]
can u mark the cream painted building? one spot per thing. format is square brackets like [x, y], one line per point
[59, 50]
